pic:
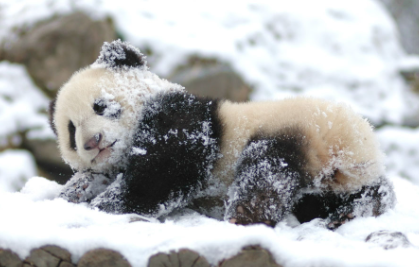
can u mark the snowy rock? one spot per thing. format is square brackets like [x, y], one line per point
[406, 16]
[48, 159]
[388, 239]
[64, 43]
[103, 258]
[58, 252]
[211, 78]
[183, 258]
[253, 256]
[49, 256]
[9, 259]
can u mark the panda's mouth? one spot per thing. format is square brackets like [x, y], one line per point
[104, 152]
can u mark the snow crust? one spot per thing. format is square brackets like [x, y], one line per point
[44, 220]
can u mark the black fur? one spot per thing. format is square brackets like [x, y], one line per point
[259, 198]
[338, 208]
[265, 161]
[180, 134]
[118, 54]
[72, 134]
[51, 112]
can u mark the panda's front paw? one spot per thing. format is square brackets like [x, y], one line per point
[83, 187]
[339, 219]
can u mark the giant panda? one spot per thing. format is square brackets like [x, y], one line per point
[141, 144]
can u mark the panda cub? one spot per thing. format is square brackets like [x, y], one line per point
[140, 144]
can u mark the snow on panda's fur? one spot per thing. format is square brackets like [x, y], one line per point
[141, 144]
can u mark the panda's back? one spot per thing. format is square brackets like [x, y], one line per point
[338, 141]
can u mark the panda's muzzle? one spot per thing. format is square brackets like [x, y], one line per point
[93, 142]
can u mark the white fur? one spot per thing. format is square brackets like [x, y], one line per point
[128, 89]
[338, 139]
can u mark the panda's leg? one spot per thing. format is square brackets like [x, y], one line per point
[268, 175]
[339, 208]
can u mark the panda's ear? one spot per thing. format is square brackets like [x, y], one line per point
[120, 54]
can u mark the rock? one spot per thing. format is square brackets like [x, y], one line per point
[253, 256]
[406, 16]
[58, 252]
[9, 259]
[49, 256]
[103, 258]
[411, 77]
[48, 159]
[388, 239]
[66, 264]
[211, 78]
[41, 258]
[54, 49]
[182, 258]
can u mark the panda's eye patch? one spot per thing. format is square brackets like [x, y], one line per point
[110, 109]
[99, 107]
[72, 133]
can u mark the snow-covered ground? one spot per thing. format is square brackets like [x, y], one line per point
[340, 50]
[33, 218]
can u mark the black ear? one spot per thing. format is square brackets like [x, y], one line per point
[120, 54]
[51, 112]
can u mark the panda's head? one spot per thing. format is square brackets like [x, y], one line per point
[96, 112]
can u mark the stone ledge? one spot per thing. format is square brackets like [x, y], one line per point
[250, 256]
[54, 256]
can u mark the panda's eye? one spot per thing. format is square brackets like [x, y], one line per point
[99, 107]
[110, 109]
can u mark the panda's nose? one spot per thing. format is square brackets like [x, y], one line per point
[93, 142]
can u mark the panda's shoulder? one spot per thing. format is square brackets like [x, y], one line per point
[178, 107]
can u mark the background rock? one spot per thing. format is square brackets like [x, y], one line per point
[406, 15]
[211, 78]
[388, 239]
[54, 49]
[48, 159]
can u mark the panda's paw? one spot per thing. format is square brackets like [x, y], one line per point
[244, 216]
[83, 187]
[337, 220]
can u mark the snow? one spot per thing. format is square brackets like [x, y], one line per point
[401, 146]
[340, 50]
[21, 104]
[44, 220]
[12, 175]
[331, 49]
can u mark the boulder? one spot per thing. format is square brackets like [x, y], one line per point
[52, 50]
[9, 258]
[49, 256]
[103, 258]
[211, 78]
[388, 239]
[252, 256]
[182, 258]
